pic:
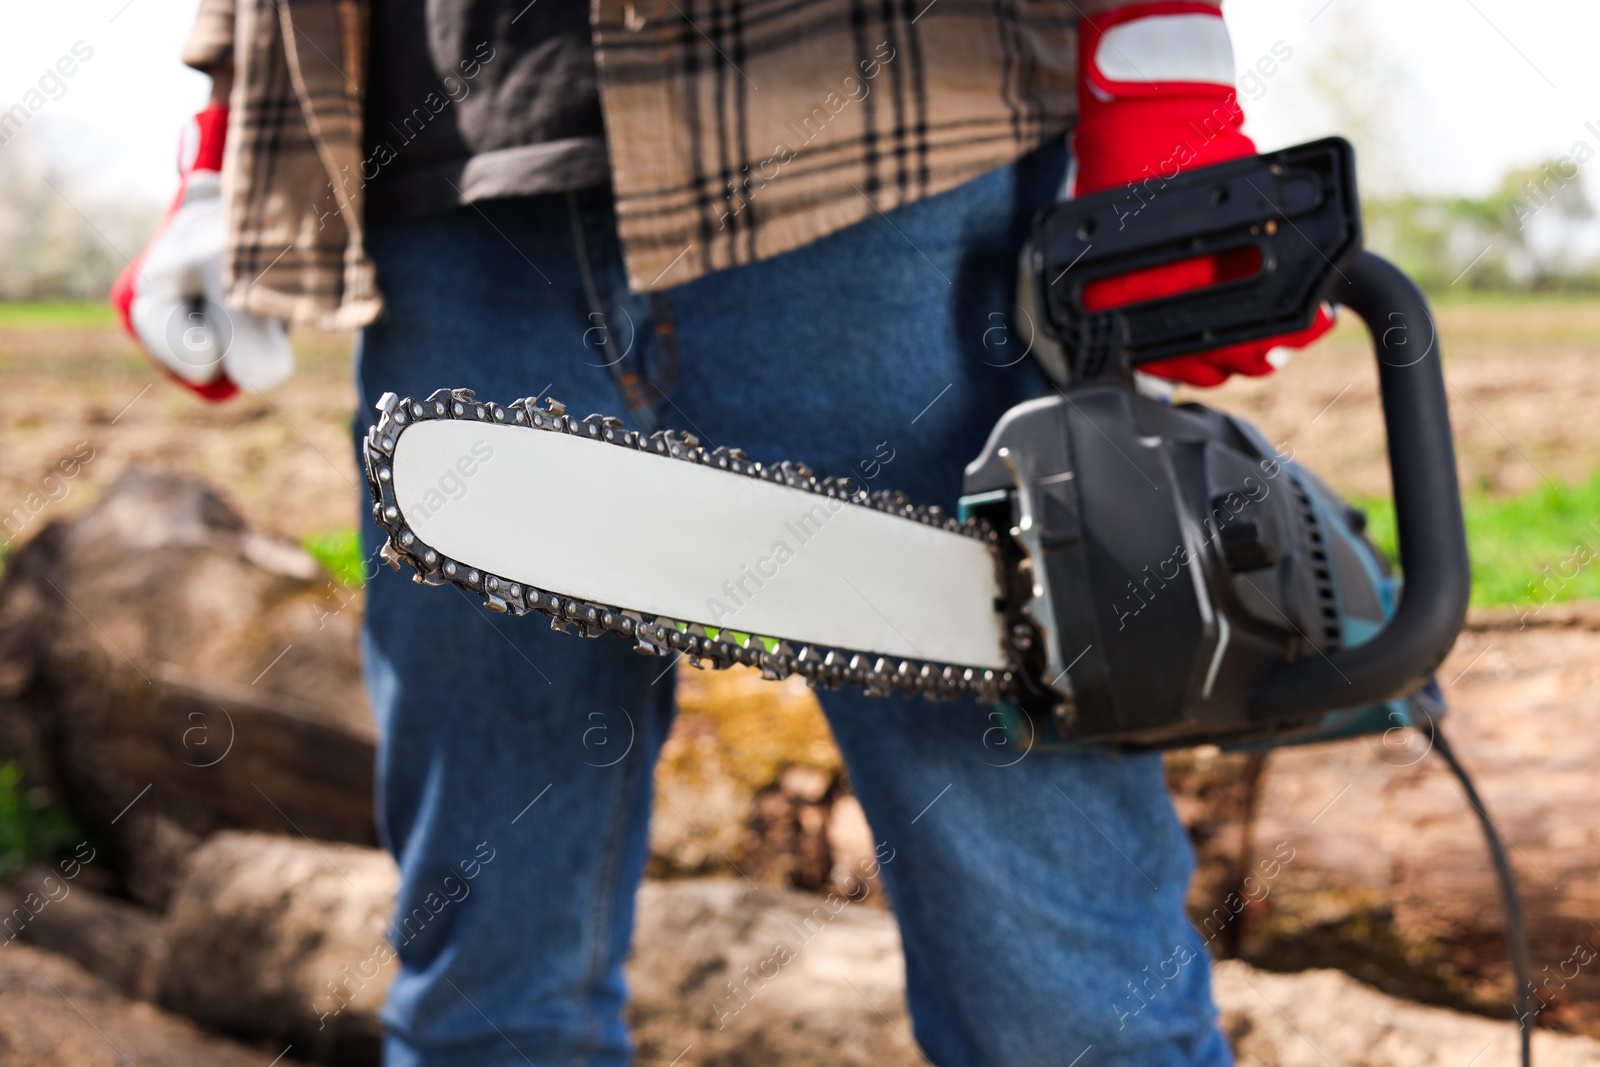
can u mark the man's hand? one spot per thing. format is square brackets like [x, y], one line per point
[170, 297]
[1155, 97]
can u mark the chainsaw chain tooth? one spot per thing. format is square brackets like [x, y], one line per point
[779, 663]
[822, 667]
[588, 618]
[695, 645]
[842, 488]
[808, 661]
[719, 654]
[636, 626]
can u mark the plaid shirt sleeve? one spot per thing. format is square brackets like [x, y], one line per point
[293, 169]
[210, 43]
[737, 129]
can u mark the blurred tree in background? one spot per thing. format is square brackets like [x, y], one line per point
[56, 241]
[1534, 231]
[1519, 237]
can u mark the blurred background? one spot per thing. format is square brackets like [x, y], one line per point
[186, 841]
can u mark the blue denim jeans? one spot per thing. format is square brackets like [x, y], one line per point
[1040, 900]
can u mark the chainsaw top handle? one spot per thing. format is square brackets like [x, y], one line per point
[1285, 228]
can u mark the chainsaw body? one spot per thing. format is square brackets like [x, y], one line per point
[1173, 577]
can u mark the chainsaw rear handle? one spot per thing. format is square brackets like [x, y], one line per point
[1433, 544]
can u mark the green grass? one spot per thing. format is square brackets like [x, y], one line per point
[57, 314]
[32, 827]
[1540, 547]
[340, 552]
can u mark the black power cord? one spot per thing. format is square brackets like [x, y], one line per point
[1516, 927]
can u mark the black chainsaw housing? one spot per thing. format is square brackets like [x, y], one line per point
[1176, 579]
[1186, 558]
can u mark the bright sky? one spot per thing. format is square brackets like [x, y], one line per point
[1467, 88]
[1460, 89]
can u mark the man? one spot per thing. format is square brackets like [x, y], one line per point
[786, 227]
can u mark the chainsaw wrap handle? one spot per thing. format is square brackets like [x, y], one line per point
[1433, 545]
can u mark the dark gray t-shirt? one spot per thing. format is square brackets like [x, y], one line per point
[474, 99]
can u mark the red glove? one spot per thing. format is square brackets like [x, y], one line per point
[1155, 96]
[170, 297]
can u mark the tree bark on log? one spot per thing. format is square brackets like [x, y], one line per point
[1390, 878]
[270, 932]
[55, 1014]
[167, 673]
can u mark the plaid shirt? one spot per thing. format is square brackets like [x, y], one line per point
[737, 129]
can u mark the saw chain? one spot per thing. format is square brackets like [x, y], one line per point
[701, 646]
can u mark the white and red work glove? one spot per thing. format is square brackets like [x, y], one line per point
[170, 297]
[1156, 96]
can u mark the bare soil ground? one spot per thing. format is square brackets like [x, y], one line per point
[285, 460]
[1523, 391]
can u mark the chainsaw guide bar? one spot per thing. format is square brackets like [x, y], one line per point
[793, 574]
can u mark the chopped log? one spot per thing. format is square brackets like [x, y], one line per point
[269, 931]
[1389, 878]
[54, 909]
[53, 1013]
[169, 673]
[1325, 1018]
[283, 937]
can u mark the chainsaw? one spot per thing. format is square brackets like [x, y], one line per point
[1123, 571]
